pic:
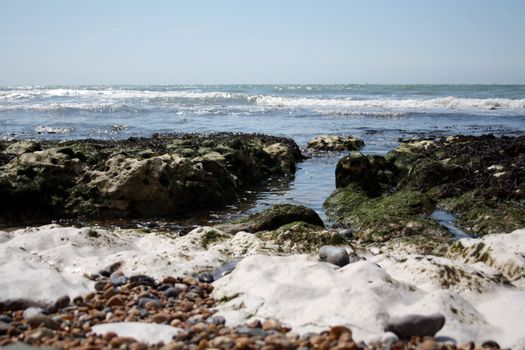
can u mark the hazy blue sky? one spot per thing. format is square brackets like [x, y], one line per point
[170, 42]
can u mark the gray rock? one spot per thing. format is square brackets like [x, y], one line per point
[335, 143]
[172, 292]
[253, 332]
[118, 279]
[224, 269]
[416, 325]
[217, 320]
[334, 255]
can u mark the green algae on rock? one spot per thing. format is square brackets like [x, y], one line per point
[281, 214]
[160, 176]
[480, 179]
[301, 237]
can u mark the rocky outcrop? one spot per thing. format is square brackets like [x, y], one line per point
[282, 214]
[161, 176]
[480, 179]
[335, 143]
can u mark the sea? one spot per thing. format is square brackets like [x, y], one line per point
[381, 115]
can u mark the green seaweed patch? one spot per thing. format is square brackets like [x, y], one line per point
[301, 237]
[478, 213]
[212, 236]
[227, 298]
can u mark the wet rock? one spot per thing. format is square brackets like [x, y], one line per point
[334, 255]
[335, 143]
[282, 214]
[142, 280]
[164, 175]
[416, 325]
[356, 168]
[490, 344]
[205, 277]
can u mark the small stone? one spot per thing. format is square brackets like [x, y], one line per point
[222, 342]
[416, 325]
[253, 332]
[100, 285]
[118, 279]
[159, 318]
[334, 255]
[271, 324]
[216, 320]
[119, 341]
[242, 343]
[205, 277]
[62, 302]
[42, 320]
[39, 334]
[172, 292]
[138, 346]
[115, 300]
[108, 293]
[142, 280]
[173, 346]
[337, 331]
[428, 344]
[490, 344]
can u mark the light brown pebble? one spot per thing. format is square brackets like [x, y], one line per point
[115, 300]
[428, 344]
[109, 335]
[242, 342]
[109, 293]
[138, 346]
[159, 318]
[347, 346]
[271, 324]
[339, 330]
[222, 341]
[178, 345]
[119, 341]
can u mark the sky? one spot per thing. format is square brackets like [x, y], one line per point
[267, 42]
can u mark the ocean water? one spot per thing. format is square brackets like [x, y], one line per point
[379, 114]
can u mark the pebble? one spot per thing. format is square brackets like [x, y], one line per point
[334, 255]
[188, 307]
[115, 300]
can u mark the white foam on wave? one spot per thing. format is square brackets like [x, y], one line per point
[447, 103]
[115, 94]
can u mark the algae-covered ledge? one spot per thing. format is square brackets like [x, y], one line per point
[481, 179]
[159, 176]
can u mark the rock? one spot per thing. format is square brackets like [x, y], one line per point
[115, 300]
[300, 237]
[334, 255]
[172, 292]
[142, 280]
[428, 344]
[282, 155]
[416, 325]
[490, 344]
[62, 302]
[335, 143]
[253, 332]
[282, 214]
[232, 229]
[42, 320]
[163, 175]
[271, 324]
[117, 278]
[205, 277]
[216, 320]
[39, 334]
[224, 270]
[21, 147]
[356, 168]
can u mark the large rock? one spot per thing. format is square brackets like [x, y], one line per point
[416, 325]
[165, 175]
[282, 214]
[335, 143]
